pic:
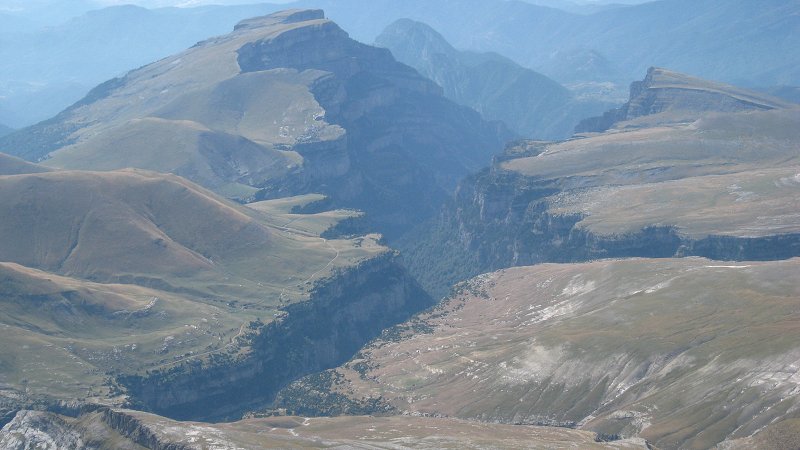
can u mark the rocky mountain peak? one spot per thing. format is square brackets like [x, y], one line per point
[304, 39]
[410, 39]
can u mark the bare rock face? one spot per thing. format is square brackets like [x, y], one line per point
[39, 430]
[679, 97]
[319, 45]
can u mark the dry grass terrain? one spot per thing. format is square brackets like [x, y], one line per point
[10, 165]
[280, 211]
[716, 144]
[360, 432]
[754, 203]
[196, 115]
[124, 271]
[725, 174]
[683, 352]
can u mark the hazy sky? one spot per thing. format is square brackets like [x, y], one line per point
[12, 5]
[184, 3]
[54, 11]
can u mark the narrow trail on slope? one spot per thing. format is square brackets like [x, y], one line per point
[311, 235]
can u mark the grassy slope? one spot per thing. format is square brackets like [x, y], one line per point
[129, 270]
[782, 434]
[10, 165]
[748, 204]
[195, 152]
[723, 174]
[196, 115]
[282, 210]
[682, 352]
[62, 334]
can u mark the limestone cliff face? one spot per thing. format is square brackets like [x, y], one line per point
[510, 220]
[319, 45]
[136, 432]
[709, 188]
[342, 314]
[501, 219]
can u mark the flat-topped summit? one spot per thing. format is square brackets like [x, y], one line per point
[281, 17]
[678, 97]
[286, 104]
[658, 78]
[304, 39]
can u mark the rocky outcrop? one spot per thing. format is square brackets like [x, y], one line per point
[139, 433]
[98, 428]
[502, 219]
[664, 91]
[38, 429]
[318, 45]
[342, 314]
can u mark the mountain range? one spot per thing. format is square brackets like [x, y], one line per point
[531, 104]
[196, 253]
[47, 68]
[742, 42]
[291, 106]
